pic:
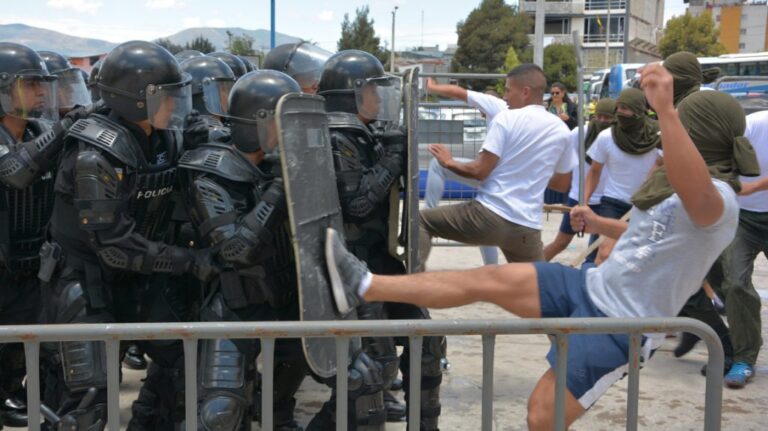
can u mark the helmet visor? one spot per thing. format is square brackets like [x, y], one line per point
[379, 98]
[252, 134]
[169, 104]
[29, 96]
[216, 95]
[306, 63]
[72, 89]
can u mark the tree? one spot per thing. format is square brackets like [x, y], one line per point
[485, 38]
[242, 45]
[201, 44]
[170, 46]
[560, 65]
[697, 35]
[359, 34]
[510, 62]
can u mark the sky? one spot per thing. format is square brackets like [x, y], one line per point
[422, 22]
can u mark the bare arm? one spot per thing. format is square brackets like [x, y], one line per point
[583, 219]
[592, 180]
[686, 170]
[447, 90]
[477, 169]
[754, 187]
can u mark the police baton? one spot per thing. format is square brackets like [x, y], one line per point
[580, 113]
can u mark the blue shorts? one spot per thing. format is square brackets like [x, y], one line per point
[595, 361]
[613, 208]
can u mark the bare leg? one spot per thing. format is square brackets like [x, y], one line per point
[512, 286]
[604, 250]
[541, 405]
[555, 247]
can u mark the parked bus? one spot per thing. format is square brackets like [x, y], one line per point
[738, 64]
[618, 79]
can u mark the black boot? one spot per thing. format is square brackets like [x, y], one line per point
[395, 409]
[134, 358]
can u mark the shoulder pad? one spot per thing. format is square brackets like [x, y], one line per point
[221, 160]
[344, 120]
[107, 135]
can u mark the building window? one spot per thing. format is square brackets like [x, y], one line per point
[717, 18]
[595, 28]
[557, 26]
[743, 31]
[742, 46]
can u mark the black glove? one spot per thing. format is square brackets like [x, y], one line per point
[195, 130]
[394, 141]
[364, 376]
[77, 113]
[204, 266]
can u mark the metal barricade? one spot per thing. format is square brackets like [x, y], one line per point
[267, 332]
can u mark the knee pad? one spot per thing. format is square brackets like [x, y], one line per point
[222, 412]
[222, 366]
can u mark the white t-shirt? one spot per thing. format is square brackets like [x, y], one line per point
[757, 132]
[532, 145]
[626, 172]
[643, 278]
[574, 193]
[487, 104]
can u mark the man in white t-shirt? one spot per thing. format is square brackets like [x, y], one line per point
[489, 104]
[525, 150]
[683, 219]
[626, 152]
[742, 302]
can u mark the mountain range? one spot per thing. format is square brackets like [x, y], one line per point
[73, 46]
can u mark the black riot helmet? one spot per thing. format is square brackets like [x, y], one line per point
[302, 61]
[354, 81]
[141, 80]
[27, 90]
[233, 61]
[95, 94]
[187, 53]
[249, 67]
[72, 86]
[212, 81]
[252, 105]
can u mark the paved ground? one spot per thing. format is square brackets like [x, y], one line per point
[671, 390]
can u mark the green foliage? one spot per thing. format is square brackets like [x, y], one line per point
[560, 65]
[201, 44]
[170, 46]
[359, 34]
[510, 62]
[485, 38]
[697, 35]
[242, 45]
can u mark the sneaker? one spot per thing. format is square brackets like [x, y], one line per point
[346, 273]
[739, 375]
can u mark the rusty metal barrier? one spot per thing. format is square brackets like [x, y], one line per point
[344, 331]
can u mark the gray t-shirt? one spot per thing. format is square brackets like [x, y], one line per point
[661, 259]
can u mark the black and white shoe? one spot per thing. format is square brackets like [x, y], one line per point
[346, 273]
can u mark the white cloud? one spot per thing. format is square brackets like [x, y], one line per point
[163, 4]
[325, 15]
[215, 23]
[192, 21]
[86, 6]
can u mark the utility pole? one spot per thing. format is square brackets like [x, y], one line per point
[608, 36]
[538, 37]
[272, 26]
[392, 54]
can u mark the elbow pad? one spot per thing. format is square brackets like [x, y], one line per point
[96, 184]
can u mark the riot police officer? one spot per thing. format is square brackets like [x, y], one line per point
[110, 218]
[237, 205]
[30, 143]
[212, 80]
[72, 89]
[301, 61]
[234, 62]
[368, 161]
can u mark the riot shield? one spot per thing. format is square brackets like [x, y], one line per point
[404, 230]
[313, 206]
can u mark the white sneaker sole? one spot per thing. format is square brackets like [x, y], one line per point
[337, 287]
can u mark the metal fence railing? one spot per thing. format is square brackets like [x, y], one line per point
[343, 331]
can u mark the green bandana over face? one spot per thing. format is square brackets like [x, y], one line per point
[636, 134]
[604, 107]
[715, 122]
[686, 74]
